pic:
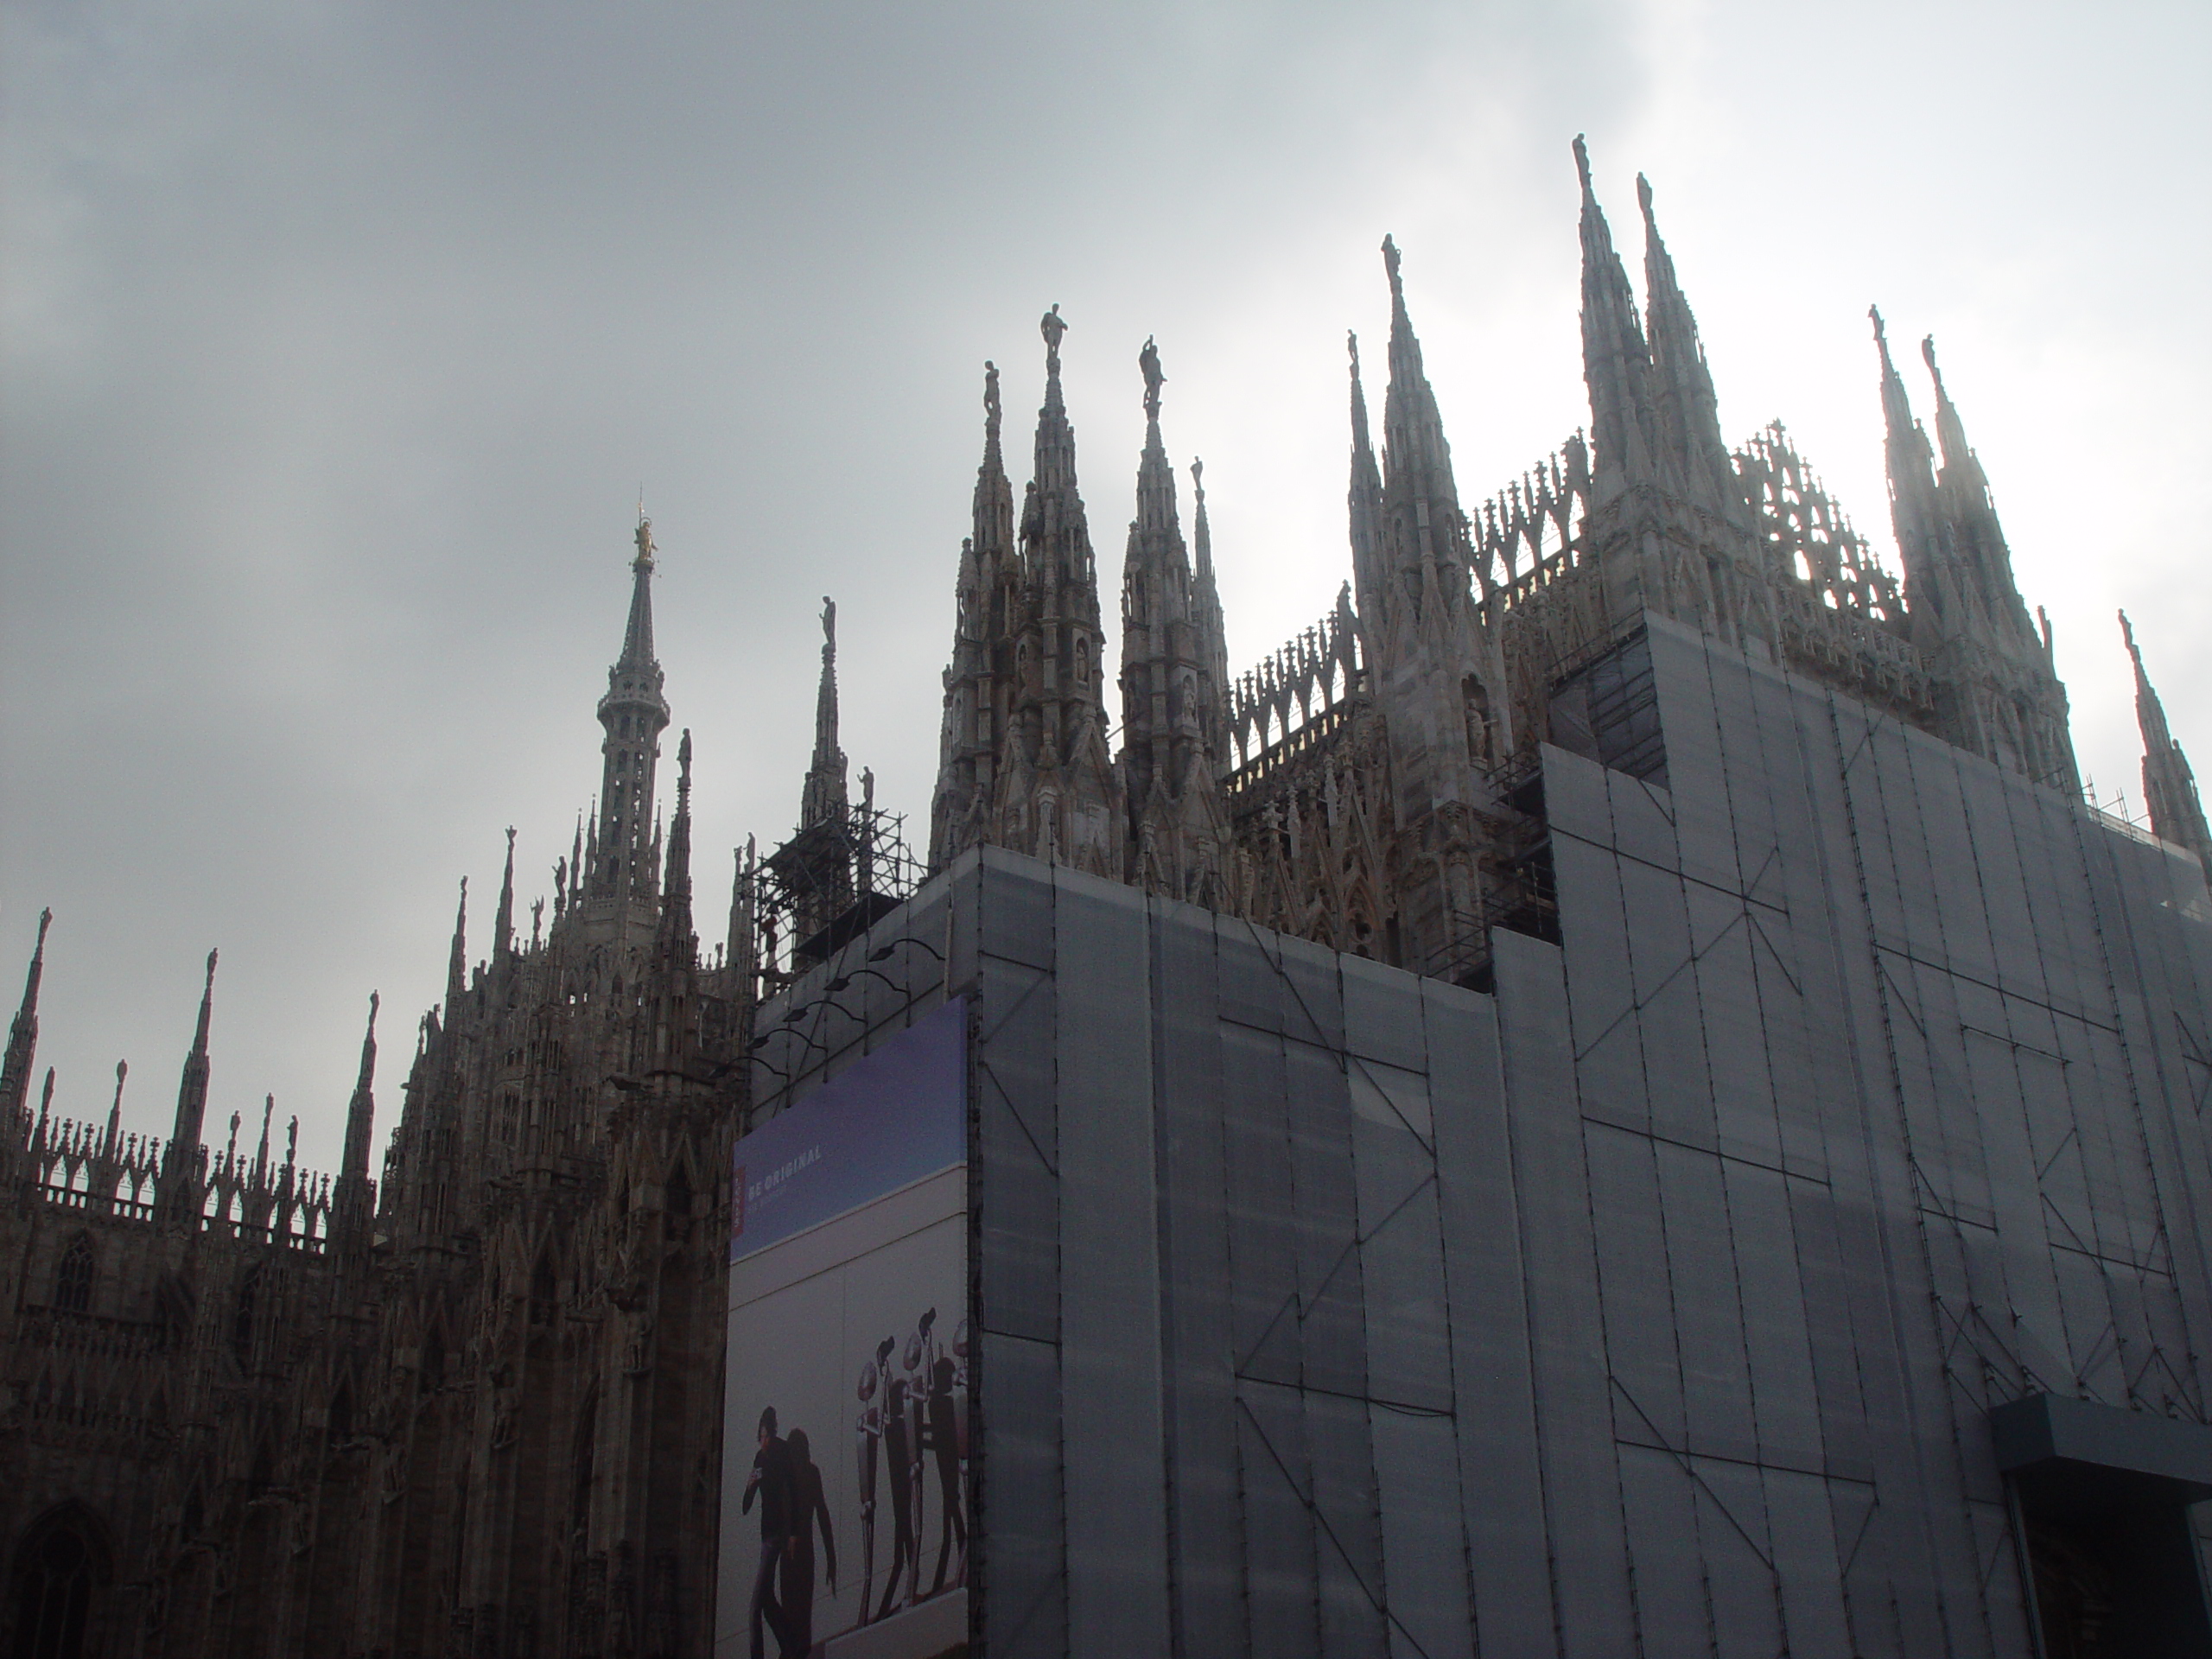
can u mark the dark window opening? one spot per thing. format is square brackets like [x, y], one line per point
[73, 1280]
[54, 1594]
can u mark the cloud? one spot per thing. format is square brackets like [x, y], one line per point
[338, 340]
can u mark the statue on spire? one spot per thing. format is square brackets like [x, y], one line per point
[1051, 326]
[1148, 364]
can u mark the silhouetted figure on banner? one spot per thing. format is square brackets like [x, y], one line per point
[771, 1482]
[809, 1508]
[941, 1435]
[875, 1379]
[897, 1453]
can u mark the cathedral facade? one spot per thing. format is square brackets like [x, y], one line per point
[469, 1402]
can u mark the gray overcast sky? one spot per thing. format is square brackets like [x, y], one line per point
[338, 339]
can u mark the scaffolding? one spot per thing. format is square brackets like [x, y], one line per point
[829, 884]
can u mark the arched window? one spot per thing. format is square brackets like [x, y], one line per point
[73, 1280]
[57, 1568]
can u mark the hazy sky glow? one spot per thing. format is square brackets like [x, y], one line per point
[336, 340]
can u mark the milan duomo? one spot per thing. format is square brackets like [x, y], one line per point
[471, 1403]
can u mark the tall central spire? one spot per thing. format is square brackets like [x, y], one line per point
[633, 714]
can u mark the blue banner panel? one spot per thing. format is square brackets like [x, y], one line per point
[893, 1118]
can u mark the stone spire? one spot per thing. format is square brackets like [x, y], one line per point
[1978, 539]
[1178, 831]
[179, 1181]
[824, 796]
[633, 714]
[2169, 785]
[1996, 685]
[360, 1111]
[676, 886]
[457, 959]
[1364, 499]
[1059, 796]
[989, 597]
[1616, 361]
[1937, 606]
[1686, 412]
[743, 950]
[1210, 627]
[22, 1038]
[1425, 534]
[502, 923]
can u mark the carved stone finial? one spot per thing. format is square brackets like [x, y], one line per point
[1052, 326]
[1391, 264]
[1643, 196]
[991, 396]
[829, 629]
[1582, 161]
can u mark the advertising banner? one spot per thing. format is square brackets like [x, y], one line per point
[845, 1436]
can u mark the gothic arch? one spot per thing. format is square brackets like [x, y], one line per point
[62, 1560]
[73, 1276]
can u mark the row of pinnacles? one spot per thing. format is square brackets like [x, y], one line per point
[102, 1170]
[1363, 785]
